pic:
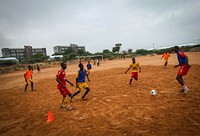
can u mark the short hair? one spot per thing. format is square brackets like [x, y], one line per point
[176, 47]
[80, 64]
[62, 64]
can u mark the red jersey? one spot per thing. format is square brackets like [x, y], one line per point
[61, 76]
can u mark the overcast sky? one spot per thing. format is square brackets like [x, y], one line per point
[98, 24]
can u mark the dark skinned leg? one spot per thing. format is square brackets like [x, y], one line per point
[25, 88]
[130, 81]
[180, 79]
[86, 92]
[165, 64]
[32, 86]
[76, 93]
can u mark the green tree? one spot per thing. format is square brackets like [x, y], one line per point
[80, 52]
[106, 51]
[130, 51]
[115, 49]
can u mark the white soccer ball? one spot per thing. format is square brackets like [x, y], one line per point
[153, 92]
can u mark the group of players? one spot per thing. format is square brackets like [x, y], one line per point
[82, 74]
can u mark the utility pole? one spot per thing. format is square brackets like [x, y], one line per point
[153, 46]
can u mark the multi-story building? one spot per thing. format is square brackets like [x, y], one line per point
[21, 53]
[62, 49]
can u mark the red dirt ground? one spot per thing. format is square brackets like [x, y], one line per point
[113, 108]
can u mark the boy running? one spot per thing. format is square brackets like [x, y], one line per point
[134, 66]
[61, 86]
[184, 67]
[80, 82]
[89, 67]
[28, 78]
[166, 57]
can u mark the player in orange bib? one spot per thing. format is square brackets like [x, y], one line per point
[28, 78]
[134, 66]
[166, 57]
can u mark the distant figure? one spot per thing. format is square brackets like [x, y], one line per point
[166, 57]
[28, 78]
[98, 62]
[80, 82]
[184, 67]
[38, 68]
[61, 79]
[94, 62]
[89, 67]
[135, 67]
[80, 61]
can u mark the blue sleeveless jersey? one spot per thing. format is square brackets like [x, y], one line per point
[81, 76]
[181, 58]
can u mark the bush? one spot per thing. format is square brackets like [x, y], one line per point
[7, 62]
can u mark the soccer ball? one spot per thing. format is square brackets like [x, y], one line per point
[153, 92]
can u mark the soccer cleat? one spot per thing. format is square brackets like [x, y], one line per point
[63, 107]
[70, 108]
[186, 91]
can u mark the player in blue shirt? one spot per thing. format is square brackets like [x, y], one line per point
[80, 81]
[89, 67]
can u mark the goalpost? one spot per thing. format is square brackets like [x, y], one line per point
[89, 56]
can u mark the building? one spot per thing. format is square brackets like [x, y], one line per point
[62, 49]
[21, 53]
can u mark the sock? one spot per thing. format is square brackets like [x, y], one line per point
[185, 87]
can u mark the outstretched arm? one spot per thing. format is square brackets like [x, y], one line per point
[69, 82]
[161, 57]
[127, 70]
[177, 65]
[139, 69]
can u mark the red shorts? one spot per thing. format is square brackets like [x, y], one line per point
[134, 75]
[63, 91]
[183, 70]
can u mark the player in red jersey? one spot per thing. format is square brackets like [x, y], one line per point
[184, 67]
[61, 79]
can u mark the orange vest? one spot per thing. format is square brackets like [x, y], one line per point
[28, 74]
[166, 55]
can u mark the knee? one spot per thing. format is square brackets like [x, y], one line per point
[70, 95]
[177, 77]
[88, 89]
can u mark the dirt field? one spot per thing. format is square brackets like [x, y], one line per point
[112, 109]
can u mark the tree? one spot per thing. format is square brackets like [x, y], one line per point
[106, 51]
[80, 52]
[115, 49]
[130, 51]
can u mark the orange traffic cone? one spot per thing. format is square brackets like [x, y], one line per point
[50, 117]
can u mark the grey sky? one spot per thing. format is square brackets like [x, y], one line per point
[98, 24]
